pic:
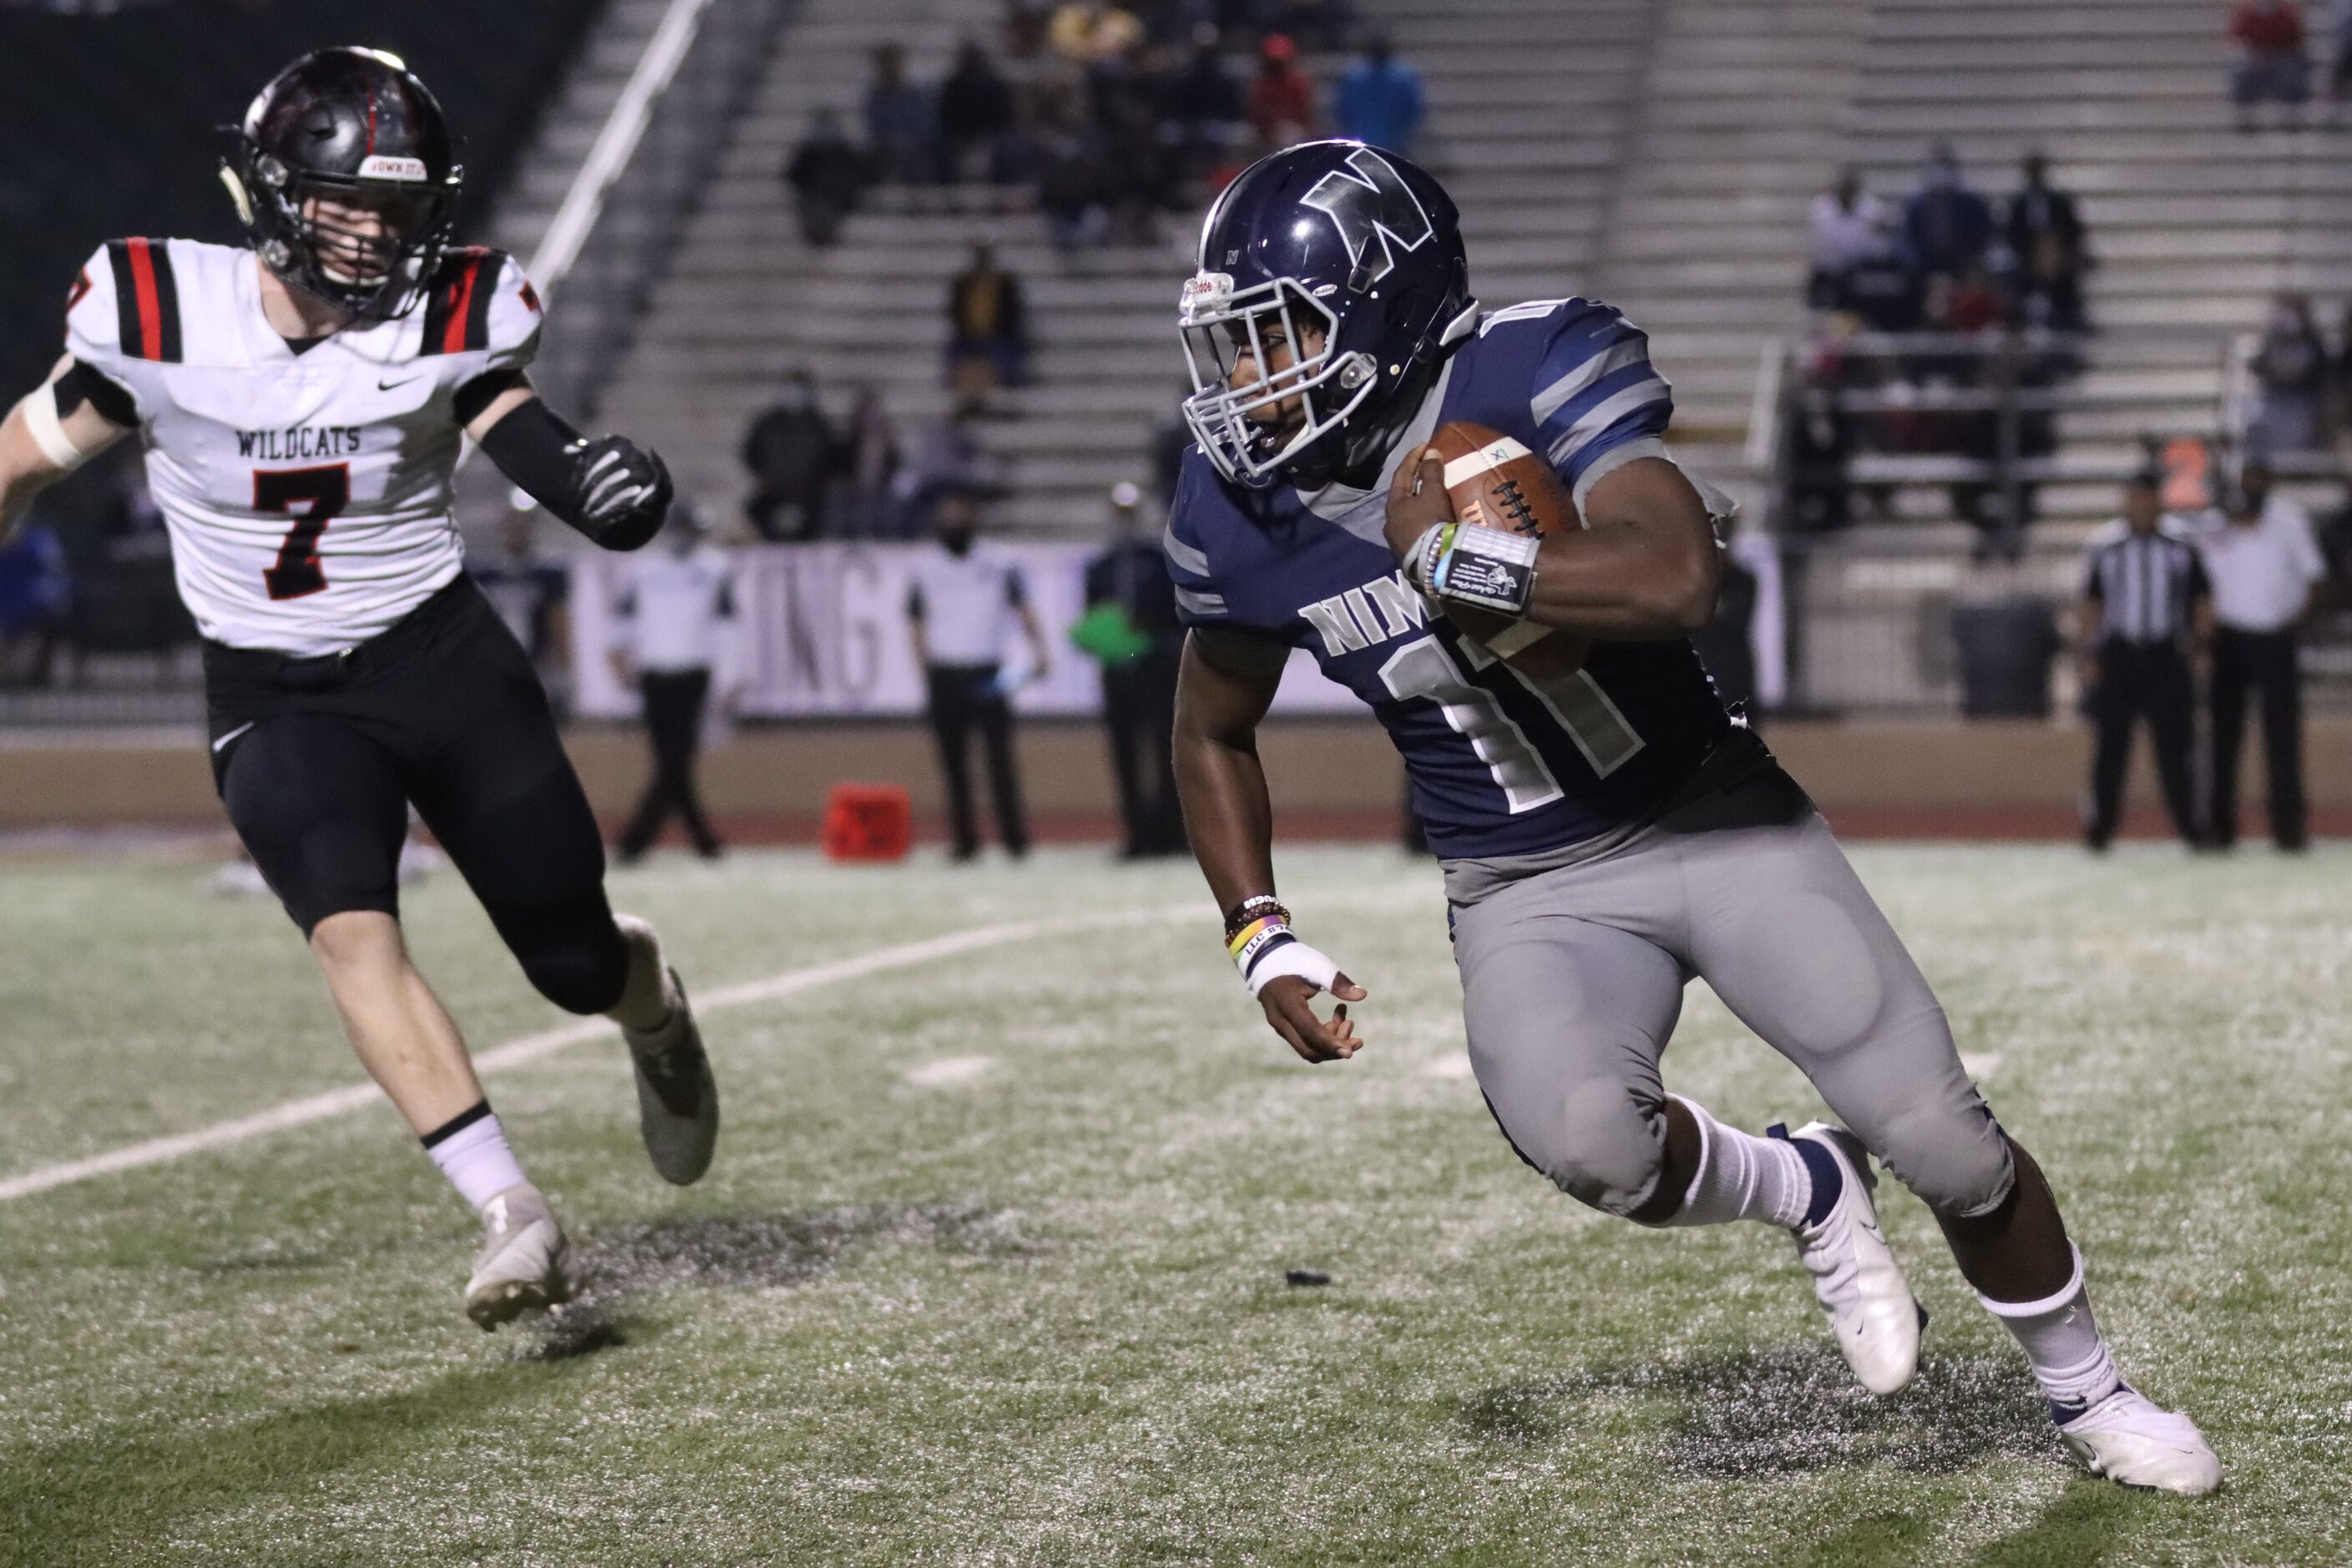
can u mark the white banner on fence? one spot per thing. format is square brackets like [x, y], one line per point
[821, 633]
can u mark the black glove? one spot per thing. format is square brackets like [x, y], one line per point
[625, 491]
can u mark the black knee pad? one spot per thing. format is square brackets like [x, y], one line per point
[575, 957]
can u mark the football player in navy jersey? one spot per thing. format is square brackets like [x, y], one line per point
[1605, 836]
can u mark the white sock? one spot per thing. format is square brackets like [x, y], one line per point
[1742, 1176]
[471, 1150]
[2063, 1342]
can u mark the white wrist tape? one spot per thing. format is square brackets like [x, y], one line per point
[1293, 958]
[40, 409]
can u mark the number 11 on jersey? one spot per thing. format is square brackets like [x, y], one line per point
[324, 491]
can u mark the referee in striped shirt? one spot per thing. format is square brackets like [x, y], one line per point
[2146, 608]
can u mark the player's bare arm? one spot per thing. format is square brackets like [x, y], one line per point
[1645, 565]
[51, 432]
[1230, 819]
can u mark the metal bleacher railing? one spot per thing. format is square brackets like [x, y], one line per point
[1901, 614]
[619, 222]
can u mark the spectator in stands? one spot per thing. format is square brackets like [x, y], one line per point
[2339, 75]
[961, 606]
[828, 175]
[1282, 96]
[1199, 99]
[2045, 231]
[1881, 289]
[1380, 100]
[2272, 66]
[1849, 225]
[1324, 24]
[975, 113]
[1820, 445]
[2264, 560]
[948, 458]
[988, 327]
[1090, 33]
[868, 467]
[35, 596]
[2291, 375]
[901, 122]
[789, 450]
[1025, 21]
[1947, 226]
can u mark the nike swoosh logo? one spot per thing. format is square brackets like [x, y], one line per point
[233, 734]
[388, 385]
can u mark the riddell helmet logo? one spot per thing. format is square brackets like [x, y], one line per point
[1369, 201]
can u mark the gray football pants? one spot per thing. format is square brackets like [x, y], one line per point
[1572, 979]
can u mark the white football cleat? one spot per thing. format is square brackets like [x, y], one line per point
[2129, 1437]
[520, 1265]
[1871, 1309]
[677, 1099]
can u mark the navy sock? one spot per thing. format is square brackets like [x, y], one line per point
[1829, 1179]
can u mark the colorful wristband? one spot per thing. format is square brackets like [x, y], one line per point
[1251, 945]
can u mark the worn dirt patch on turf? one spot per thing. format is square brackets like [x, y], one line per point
[1778, 1412]
[614, 1264]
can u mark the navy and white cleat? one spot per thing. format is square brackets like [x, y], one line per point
[1871, 1309]
[2128, 1437]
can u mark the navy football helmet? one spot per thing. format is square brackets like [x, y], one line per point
[1354, 256]
[355, 126]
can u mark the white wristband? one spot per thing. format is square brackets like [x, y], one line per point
[40, 410]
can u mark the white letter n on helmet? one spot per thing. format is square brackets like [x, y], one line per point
[1373, 203]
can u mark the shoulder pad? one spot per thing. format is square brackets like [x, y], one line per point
[125, 304]
[480, 302]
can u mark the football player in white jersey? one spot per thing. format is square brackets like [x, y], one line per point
[302, 401]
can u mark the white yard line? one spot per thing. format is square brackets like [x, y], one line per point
[532, 1048]
[949, 1072]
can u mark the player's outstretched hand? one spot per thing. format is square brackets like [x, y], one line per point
[1417, 499]
[1286, 998]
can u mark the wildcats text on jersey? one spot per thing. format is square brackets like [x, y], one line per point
[298, 441]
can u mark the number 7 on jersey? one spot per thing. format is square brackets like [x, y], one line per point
[324, 491]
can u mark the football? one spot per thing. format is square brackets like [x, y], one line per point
[1494, 481]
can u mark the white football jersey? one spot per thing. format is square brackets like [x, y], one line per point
[307, 495]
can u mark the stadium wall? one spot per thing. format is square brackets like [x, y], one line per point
[1331, 777]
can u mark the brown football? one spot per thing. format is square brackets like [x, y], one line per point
[1494, 481]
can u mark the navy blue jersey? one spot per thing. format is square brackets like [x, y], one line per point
[1500, 762]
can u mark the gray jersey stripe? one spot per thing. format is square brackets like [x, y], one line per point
[1596, 424]
[1196, 562]
[1200, 603]
[1556, 396]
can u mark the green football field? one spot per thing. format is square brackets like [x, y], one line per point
[992, 1267]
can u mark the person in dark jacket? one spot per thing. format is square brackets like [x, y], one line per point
[1131, 626]
[790, 451]
[2044, 231]
[975, 111]
[1947, 226]
[828, 175]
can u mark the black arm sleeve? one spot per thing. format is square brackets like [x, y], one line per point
[83, 383]
[484, 390]
[537, 449]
